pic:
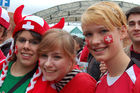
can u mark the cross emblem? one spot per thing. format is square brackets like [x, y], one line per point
[108, 39]
[28, 26]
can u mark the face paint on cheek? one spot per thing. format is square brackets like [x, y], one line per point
[16, 49]
[108, 39]
[87, 43]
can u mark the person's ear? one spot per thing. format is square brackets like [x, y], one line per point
[123, 32]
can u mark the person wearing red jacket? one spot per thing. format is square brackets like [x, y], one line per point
[20, 72]
[57, 61]
[105, 26]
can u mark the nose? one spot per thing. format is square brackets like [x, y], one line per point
[26, 45]
[48, 62]
[137, 26]
[96, 40]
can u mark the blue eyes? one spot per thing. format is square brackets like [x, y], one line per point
[104, 31]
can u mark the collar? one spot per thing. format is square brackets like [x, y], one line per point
[132, 49]
[59, 85]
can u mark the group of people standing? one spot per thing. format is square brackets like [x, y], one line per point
[42, 59]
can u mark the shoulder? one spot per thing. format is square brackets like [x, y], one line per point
[84, 80]
[43, 86]
[81, 83]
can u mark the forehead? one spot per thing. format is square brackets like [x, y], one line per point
[93, 27]
[134, 17]
[56, 50]
[25, 34]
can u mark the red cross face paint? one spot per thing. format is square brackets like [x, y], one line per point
[108, 39]
[16, 49]
[87, 43]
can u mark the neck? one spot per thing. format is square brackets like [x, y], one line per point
[136, 47]
[18, 70]
[117, 65]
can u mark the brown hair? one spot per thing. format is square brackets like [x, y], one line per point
[57, 38]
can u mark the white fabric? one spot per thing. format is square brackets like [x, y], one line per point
[4, 15]
[131, 74]
[36, 19]
[112, 80]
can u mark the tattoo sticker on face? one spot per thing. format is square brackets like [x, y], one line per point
[87, 43]
[16, 49]
[108, 39]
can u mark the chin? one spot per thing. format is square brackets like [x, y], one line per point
[100, 58]
[49, 79]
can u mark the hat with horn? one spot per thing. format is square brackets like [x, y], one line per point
[32, 23]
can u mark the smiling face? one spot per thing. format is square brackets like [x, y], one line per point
[104, 26]
[134, 28]
[26, 46]
[101, 50]
[56, 54]
[55, 65]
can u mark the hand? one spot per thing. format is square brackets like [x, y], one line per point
[103, 67]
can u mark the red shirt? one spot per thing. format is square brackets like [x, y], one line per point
[124, 84]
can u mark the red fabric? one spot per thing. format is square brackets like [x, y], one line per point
[42, 87]
[81, 83]
[38, 24]
[132, 49]
[2, 56]
[137, 85]
[2, 59]
[124, 84]
[4, 21]
[84, 54]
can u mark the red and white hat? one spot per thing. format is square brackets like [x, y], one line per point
[33, 23]
[4, 18]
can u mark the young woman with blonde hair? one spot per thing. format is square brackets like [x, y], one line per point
[104, 26]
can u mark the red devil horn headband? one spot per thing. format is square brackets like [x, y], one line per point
[18, 14]
[60, 24]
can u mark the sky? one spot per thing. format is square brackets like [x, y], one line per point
[32, 6]
[36, 5]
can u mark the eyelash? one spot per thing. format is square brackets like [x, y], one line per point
[88, 34]
[45, 56]
[104, 31]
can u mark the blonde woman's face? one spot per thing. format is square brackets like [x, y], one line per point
[55, 65]
[95, 35]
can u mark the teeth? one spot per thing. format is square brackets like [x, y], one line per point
[98, 50]
[26, 55]
[50, 71]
